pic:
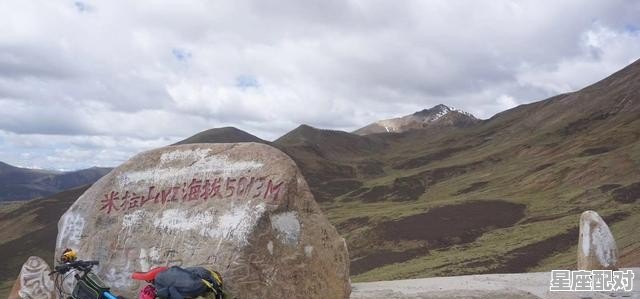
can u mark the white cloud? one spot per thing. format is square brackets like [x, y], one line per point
[602, 52]
[507, 102]
[93, 73]
[64, 152]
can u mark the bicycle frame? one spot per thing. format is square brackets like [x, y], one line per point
[83, 281]
[108, 295]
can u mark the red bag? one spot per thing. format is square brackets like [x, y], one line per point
[148, 292]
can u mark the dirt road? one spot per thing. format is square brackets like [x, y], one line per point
[508, 286]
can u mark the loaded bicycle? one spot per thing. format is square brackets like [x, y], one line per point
[171, 283]
[88, 284]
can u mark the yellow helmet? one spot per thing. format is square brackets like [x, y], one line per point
[68, 255]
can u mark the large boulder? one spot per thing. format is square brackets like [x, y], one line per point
[597, 248]
[33, 281]
[243, 209]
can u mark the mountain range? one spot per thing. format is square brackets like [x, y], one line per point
[443, 193]
[18, 183]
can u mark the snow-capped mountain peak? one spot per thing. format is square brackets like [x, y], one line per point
[439, 115]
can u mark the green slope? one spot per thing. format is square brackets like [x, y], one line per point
[436, 202]
[30, 228]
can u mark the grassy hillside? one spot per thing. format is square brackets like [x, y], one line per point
[30, 228]
[502, 196]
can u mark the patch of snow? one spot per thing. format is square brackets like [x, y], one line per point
[466, 113]
[287, 226]
[390, 125]
[440, 114]
[434, 113]
[451, 108]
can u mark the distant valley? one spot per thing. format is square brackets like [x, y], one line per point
[23, 183]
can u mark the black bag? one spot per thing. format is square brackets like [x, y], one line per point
[90, 287]
[180, 283]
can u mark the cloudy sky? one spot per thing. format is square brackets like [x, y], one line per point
[86, 83]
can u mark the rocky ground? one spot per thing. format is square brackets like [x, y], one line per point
[511, 286]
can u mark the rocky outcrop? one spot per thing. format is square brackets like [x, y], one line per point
[34, 281]
[597, 248]
[242, 209]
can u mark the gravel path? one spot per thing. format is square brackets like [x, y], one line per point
[508, 286]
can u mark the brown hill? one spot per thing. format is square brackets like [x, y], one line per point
[330, 143]
[330, 160]
[428, 202]
[30, 228]
[221, 135]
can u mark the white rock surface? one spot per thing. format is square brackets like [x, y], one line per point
[242, 209]
[596, 247]
[34, 281]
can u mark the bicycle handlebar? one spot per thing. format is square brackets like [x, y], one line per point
[80, 265]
